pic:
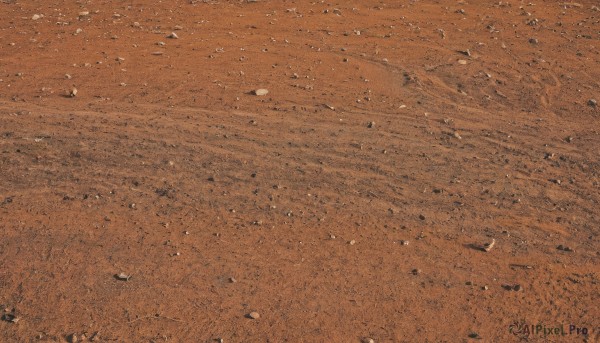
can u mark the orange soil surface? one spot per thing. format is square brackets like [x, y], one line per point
[349, 204]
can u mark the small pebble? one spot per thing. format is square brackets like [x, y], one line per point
[488, 246]
[173, 35]
[564, 248]
[260, 92]
[253, 315]
[592, 103]
[123, 277]
[9, 317]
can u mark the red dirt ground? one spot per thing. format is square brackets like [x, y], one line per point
[442, 123]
